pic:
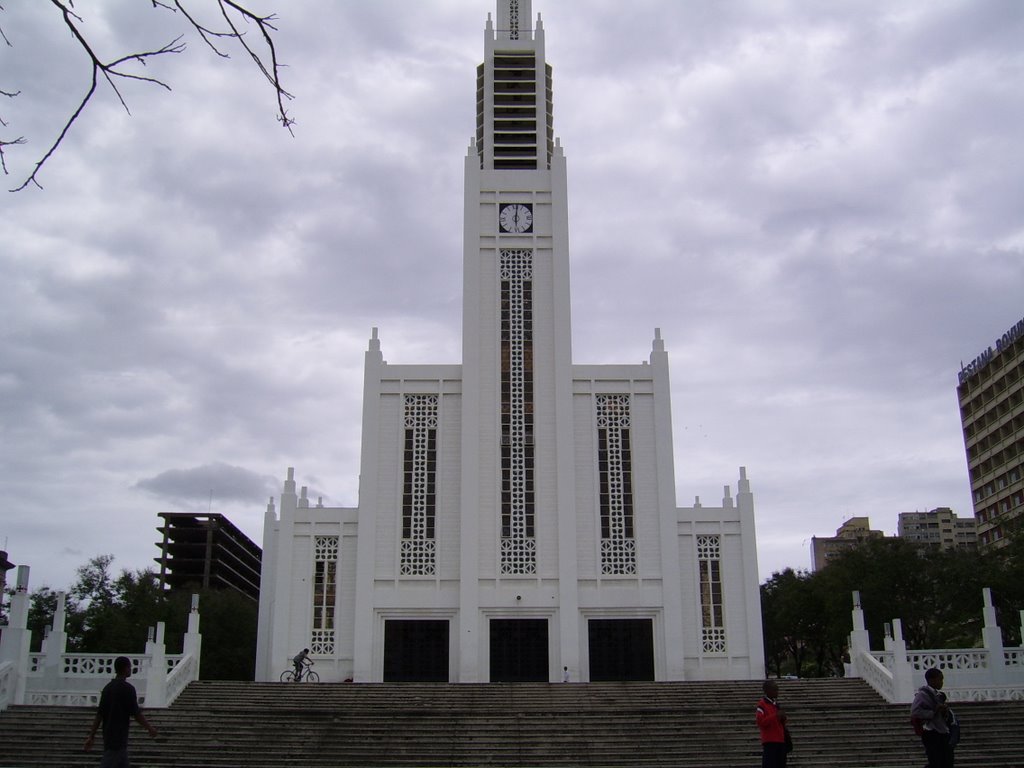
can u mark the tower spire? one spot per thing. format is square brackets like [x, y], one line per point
[515, 125]
[514, 19]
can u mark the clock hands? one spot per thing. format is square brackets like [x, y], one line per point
[516, 218]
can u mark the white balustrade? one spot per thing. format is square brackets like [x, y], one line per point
[876, 675]
[989, 672]
[54, 677]
[8, 683]
[958, 659]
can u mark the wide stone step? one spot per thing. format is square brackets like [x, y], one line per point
[633, 725]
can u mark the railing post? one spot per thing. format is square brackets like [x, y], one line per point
[156, 675]
[992, 636]
[860, 640]
[17, 637]
[55, 645]
[902, 672]
[193, 641]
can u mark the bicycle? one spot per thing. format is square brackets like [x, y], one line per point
[306, 675]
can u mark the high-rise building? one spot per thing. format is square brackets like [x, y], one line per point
[517, 511]
[991, 395]
[207, 551]
[850, 534]
[940, 527]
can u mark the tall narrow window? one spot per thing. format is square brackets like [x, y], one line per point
[518, 545]
[419, 486]
[325, 587]
[513, 19]
[614, 465]
[709, 561]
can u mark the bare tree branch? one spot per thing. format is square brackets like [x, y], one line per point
[264, 56]
[3, 143]
[2, 31]
[273, 73]
[270, 69]
[109, 71]
[20, 139]
[3, 159]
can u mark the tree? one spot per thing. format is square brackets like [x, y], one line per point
[936, 594]
[773, 591]
[41, 609]
[93, 596]
[229, 622]
[800, 626]
[1007, 581]
[232, 27]
[107, 613]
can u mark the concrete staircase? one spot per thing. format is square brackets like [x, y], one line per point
[658, 725]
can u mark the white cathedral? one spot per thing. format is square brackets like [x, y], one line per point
[517, 518]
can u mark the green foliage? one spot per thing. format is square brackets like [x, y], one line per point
[936, 594]
[1008, 587]
[799, 636]
[112, 614]
[228, 626]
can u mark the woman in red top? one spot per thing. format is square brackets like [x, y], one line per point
[771, 721]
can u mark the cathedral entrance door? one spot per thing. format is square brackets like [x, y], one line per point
[621, 649]
[519, 651]
[416, 650]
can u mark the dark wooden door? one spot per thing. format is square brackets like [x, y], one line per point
[519, 650]
[416, 651]
[621, 649]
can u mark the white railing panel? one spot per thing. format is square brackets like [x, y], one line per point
[986, 693]
[875, 674]
[100, 664]
[885, 658]
[184, 673]
[63, 698]
[960, 659]
[8, 684]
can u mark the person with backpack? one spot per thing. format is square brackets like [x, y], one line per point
[933, 720]
[771, 722]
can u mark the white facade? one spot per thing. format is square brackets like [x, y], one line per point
[517, 513]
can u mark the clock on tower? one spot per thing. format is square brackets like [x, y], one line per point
[516, 218]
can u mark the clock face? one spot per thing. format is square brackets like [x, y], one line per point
[516, 218]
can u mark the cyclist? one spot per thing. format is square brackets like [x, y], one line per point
[302, 663]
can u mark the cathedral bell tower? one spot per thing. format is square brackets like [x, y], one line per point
[517, 359]
[517, 516]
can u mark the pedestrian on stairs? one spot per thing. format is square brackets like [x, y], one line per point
[771, 722]
[930, 710]
[118, 704]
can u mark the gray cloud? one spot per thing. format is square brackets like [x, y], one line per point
[202, 484]
[818, 204]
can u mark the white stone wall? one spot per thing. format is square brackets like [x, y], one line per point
[286, 603]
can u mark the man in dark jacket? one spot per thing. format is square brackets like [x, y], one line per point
[929, 708]
[118, 704]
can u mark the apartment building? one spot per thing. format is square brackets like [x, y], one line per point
[991, 396]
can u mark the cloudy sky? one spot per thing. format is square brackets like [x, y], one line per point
[820, 205]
